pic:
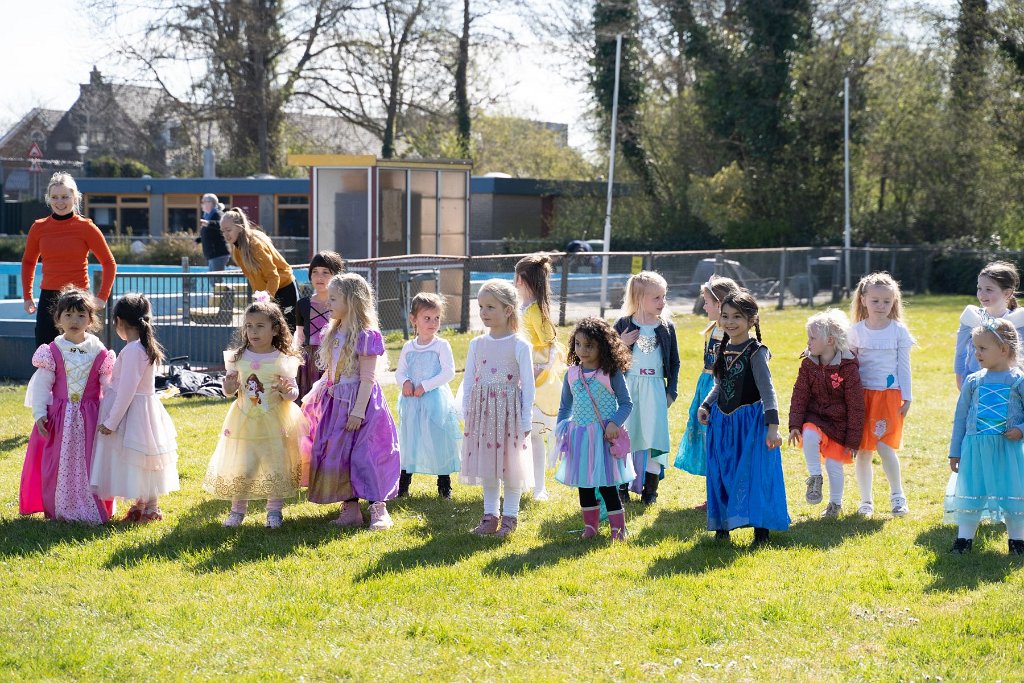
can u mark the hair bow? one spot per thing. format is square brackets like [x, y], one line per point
[261, 296]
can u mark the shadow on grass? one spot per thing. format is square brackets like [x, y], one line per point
[17, 441]
[200, 543]
[445, 537]
[25, 536]
[987, 563]
[562, 536]
[708, 553]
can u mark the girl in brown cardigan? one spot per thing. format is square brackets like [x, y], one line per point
[826, 414]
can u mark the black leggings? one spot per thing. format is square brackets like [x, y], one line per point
[46, 329]
[588, 498]
[287, 297]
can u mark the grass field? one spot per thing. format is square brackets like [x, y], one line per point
[852, 599]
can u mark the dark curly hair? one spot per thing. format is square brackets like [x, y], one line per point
[744, 302]
[282, 335]
[612, 354]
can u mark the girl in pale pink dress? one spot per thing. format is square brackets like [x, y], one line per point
[136, 450]
[64, 394]
[497, 401]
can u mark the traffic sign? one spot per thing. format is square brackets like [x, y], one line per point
[34, 152]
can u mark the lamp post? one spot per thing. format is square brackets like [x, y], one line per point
[82, 148]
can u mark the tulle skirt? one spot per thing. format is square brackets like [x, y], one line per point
[140, 459]
[990, 481]
[692, 455]
[429, 433]
[585, 460]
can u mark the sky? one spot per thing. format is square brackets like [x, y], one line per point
[72, 45]
[58, 44]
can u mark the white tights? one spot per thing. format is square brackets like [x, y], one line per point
[834, 468]
[969, 522]
[890, 465]
[492, 496]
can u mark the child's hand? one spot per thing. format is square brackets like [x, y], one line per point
[353, 423]
[954, 464]
[703, 416]
[407, 388]
[419, 391]
[629, 338]
[231, 383]
[669, 399]
[773, 440]
[611, 432]
[154, 463]
[905, 408]
[795, 437]
[1014, 434]
[41, 426]
[851, 452]
[526, 435]
[104, 430]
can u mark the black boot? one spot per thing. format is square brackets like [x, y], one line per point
[403, 483]
[962, 546]
[760, 537]
[444, 485]
[722, 535]
[1016, 547]
[624, 493]
[649, 496]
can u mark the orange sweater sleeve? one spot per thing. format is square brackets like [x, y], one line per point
[98, 245]
[28, 263]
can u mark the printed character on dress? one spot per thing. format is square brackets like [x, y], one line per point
[882, 344]
[744, 478]
[429, 433]
[355, 444]
[257, 455]
[532, 282]
[595, 403]
[312, 315]
[652, 379]
[64, 395]
[826, 413]
[137, 448]
[692, 455]
[986, 453]
[497, 403]
[998, 283]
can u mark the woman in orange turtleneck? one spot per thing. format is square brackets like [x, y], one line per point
[63, 240]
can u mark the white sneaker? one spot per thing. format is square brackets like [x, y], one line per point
[540, 495]
[899, 506]
[866, 510]
[380, 520]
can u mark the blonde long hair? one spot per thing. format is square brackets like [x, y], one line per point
[248, 233]
[65, 180]
[635, 288]
[362, 315]
[858, 311]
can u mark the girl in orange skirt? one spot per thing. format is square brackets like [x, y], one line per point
[882, 344]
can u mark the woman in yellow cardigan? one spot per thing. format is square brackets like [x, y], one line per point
[262, 264]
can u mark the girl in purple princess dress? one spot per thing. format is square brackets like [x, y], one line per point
[64, 395]
[355, 444]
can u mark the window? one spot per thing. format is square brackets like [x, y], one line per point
[293, 215]
[119, 214]
[182, 211]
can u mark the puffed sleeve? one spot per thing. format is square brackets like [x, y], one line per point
[107, 366]
[288, 366]
[39, 392]
[131, 364]
[447, 374]
[524, 358]
[370, 343]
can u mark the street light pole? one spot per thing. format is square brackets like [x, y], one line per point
[611, 177]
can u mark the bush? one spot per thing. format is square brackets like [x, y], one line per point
[167, 251]
[956, 271]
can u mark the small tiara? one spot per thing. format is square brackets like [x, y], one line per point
[992, 325]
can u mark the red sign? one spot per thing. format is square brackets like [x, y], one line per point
[34, 152]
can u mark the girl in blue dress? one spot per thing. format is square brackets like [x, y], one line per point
[429, 436]
[744, 477]
[986, 451]
[595, 403]
[652, 378]
[692, 455]
[998, 283]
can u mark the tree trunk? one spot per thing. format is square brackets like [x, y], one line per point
[462, 118]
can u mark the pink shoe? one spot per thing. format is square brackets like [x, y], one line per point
[703, 507]
[351, 515]
[380, 520]
[508, 525]
[487, 526]
[617, 521]
[591, 521]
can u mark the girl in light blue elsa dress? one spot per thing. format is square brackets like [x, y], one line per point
[429, 435]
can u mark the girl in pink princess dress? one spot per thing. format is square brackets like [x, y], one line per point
[64, 394]
[137, 449]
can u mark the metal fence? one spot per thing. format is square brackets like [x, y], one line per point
[195, 314]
